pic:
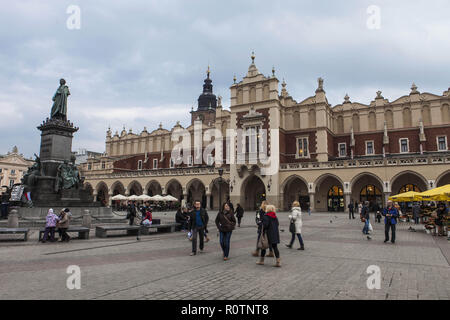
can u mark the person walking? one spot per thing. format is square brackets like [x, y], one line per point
[131, 212]
[63, 225]
[239, 214]
[296, 220]
[225, 222]
[365, 217]
[390, 214]
[351, 210]
[416, 212]
[50, 225]
[198, 222]
[308, 206]
[259, 220]
[270, 227]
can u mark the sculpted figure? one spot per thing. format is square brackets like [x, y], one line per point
[59, 109]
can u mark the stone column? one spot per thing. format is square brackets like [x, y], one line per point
[312, 203]
[347, 201]
[13, 219]
[386, 197]
[110, 195]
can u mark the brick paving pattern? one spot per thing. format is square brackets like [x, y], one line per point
[333, 266]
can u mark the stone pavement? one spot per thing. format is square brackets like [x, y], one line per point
[333, 266]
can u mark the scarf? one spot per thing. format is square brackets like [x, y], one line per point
[271, 214]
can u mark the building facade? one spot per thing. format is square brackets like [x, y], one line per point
[12, 167]
[325, 155]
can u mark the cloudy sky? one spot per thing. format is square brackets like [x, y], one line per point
[139, 63]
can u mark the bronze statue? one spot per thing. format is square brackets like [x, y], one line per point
[59, 109]
[30, 177]
[67, 176]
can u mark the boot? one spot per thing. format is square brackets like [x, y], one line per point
[261, 261]
[301, 248]
[278, 264]
[255, 253]
[270, 254]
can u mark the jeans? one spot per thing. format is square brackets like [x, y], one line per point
[48, 230]
[416, 220]
[200, 231]
[131, 220]
[386, 232]
[239, 221]
[273, 246]
[366, 227]
[225, 238]
[299, 236]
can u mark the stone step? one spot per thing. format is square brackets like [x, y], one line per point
[30, 223]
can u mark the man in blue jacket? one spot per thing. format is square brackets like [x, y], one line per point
[390, 214]
[198, 222]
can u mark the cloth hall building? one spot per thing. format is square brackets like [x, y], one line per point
[328, 155]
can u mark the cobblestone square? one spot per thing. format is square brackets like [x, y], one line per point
[333, 266]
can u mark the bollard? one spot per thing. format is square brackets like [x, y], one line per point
[13, 219]
[87, 219]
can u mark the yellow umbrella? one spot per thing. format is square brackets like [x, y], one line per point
[437, 194]
[406, 196]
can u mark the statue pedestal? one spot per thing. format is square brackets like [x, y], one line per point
[13, 219]
[56, 144]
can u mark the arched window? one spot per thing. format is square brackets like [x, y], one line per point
[389, 117]
[312, 118]
[355, 122]
[266, 94]
[239, 96]
[445, 113]
[426, 116]
[340, 124]
[372, 121]
[296, 117]
[335, 199]
[407, 118]
[409, 187]
[252, 94]
[370, 193]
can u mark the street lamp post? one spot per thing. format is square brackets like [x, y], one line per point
[220, 188]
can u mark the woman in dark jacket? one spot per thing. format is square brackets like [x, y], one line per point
[225, 222]
[258, 219]
[270, 226]
[239, 213]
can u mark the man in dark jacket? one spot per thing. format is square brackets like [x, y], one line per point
[351, 210]
[416, 212]
[131, 209]
[391, 214]
[198, 222]
[365, 216]
[181, 217]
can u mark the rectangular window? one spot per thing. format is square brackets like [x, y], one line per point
[302, 147]
[89, 166]
[369, 148]
[172, 163]
[155, 163]
[13, 171]
[442, 143]
[103, 165]
[190, 161]
[342, 149]
[404, 145]
[11, 183]
[140, 165]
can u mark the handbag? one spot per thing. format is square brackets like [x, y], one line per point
[263, 242]
[292, 226]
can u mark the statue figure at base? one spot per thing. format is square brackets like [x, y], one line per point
[67, 176]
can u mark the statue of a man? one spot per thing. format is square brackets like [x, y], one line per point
[59, 109]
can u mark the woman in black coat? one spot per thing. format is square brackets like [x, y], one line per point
[270, 226]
